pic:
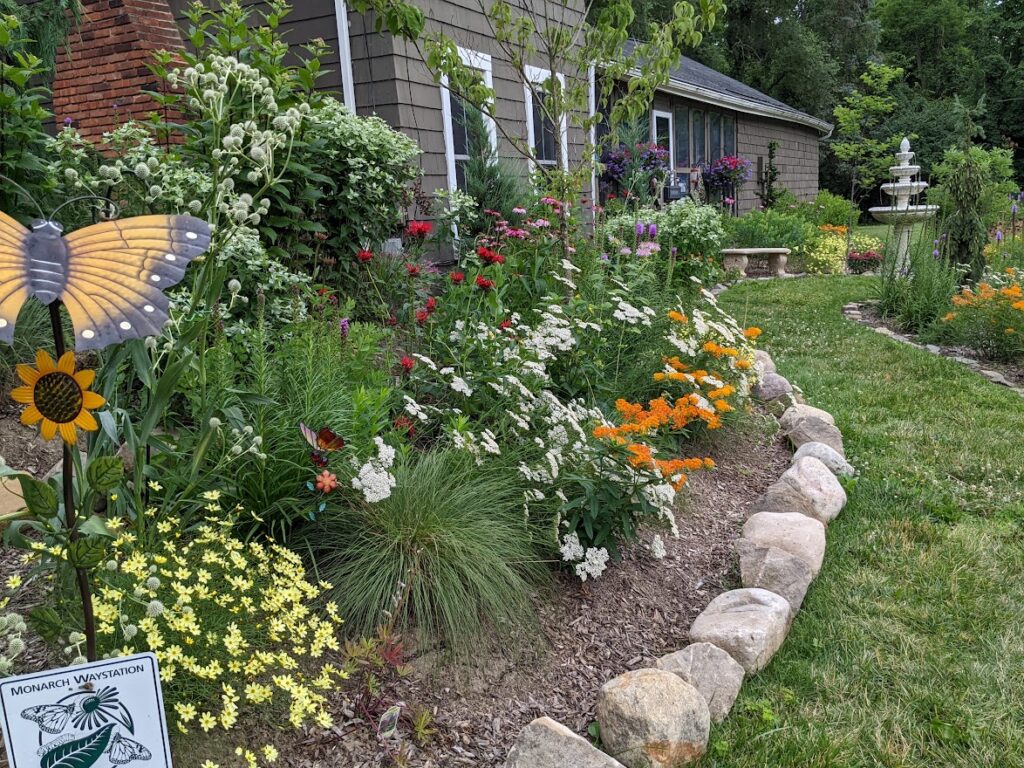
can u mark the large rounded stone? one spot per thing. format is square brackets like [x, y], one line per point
[808, 487]
[545, 743]
[750, 624]
[776, 570]
[763, 362]
[792, 532]
[772, 386]
[712, 671]
[653, 719]
[793, 415]
[814, 430]
[827, 456]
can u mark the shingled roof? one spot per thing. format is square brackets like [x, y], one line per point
[694, 80]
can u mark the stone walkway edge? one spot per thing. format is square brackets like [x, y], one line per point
[661, 717]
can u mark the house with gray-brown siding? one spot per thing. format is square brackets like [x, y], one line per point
[699, 115]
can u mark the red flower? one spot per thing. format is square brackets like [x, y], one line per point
[364, 256]
[392, 320]
[488, 256]
[483, 283]
[419, 229]
[505, 324]
[407, 364]
[456, 278]
[412, 269]
[422, 316]
[431, 304]
[404, 424]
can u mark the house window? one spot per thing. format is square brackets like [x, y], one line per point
[697, 132]
[661, 129]
[715, 135]
[545, 140]
[728, 135]
[456, 119]
[682, 126]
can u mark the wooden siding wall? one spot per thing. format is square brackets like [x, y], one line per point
[309, 20]
[410, 100]
[796, 157]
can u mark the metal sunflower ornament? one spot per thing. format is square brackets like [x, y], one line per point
[58, 396]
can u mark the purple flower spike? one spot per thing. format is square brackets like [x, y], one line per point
[604, 257]
[999, 235]
[936, 253]
[640, 229]
[935, 242]
[652, 230]
[1013, 209]
[343, 326]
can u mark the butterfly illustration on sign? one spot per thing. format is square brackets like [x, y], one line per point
[110, 276]
[88, 725]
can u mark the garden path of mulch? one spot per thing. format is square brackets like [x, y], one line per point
[639, 610]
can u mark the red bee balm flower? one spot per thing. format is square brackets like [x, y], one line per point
[419, 229]
[483, 283]
[431, 304]
[412, 269]
[505, 324]
[456, 278]
[364, 256]
[488, 256]
[326, 481]
[407, 363]
[422, 316]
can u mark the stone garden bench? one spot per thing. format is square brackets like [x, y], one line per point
[736, 259]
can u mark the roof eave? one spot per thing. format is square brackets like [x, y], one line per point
[717, 99]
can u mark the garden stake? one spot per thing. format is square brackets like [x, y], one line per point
[68, 476]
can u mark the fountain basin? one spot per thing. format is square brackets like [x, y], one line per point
[909, 215]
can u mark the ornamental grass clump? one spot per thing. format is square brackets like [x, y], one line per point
[988, 318]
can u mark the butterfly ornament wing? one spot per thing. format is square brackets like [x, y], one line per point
[14, 274]
[117, 272]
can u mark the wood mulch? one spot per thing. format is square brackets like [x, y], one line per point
[639, 610]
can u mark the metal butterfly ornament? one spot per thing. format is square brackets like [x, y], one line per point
[323, 441]
[111, 276]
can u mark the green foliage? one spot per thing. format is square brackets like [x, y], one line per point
[917, 295]
[964, 176]
[770, 228]
[995, 168]
[370, 167]
[859, 120]
[988, 318]
[768, 189]
[22, 137]
[447, 554]
[493, 182]
[831, 209]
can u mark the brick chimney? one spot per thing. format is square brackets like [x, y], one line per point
[100, 83]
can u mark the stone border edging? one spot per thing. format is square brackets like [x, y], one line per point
[854, 312]
[661, 717]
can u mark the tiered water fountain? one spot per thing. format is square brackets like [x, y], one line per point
[902, 214]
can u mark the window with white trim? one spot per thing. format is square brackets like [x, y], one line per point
[540, 128]
[455, 114]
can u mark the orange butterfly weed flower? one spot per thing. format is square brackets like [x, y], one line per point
[57, 396]
[677, 316]
[752, 332]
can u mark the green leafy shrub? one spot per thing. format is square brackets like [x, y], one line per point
[371, 166]
[770, 229]
[447, 554]
[993, 169]
[829, 208]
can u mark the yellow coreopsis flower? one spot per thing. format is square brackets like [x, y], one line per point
[57, 396]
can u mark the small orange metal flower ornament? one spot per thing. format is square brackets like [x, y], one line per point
[57, 396]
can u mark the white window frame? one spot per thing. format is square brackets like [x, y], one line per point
[348, 88]
[482, 63]
[592, 110]
[655, 114]
[538, 76]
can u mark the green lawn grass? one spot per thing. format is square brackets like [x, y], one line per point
[909, 649]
